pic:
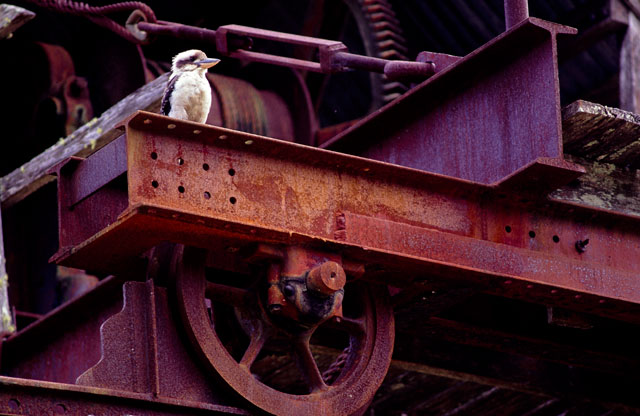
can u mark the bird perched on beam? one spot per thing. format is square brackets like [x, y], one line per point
[188, 93]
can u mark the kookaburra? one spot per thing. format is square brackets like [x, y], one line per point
[188, 93]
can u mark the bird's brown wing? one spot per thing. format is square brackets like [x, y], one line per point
[165, 107]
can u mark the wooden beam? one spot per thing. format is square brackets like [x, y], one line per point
[83, 142]
[428, 350]
[606, 142]
[7, 325]
[602, 134]
[11, 18]
[630, 66]
[604, 186]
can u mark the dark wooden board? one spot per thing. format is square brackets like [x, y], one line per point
[11, 18]
[86, 140]
[601, 134]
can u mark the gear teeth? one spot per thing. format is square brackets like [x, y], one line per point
[393, 86]
[392, 44]
[379, 26]
[377, 17]
[390, 34]
[393, 54]
[380, 8]
[390, 97]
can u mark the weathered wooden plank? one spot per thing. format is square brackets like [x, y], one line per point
[604, 186]
[602, 134]
[11, 18]
[83, 142]
[630, 66]
[6, 320]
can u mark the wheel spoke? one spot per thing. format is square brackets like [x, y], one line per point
[308, 365]
[228, 295]
[258, 340]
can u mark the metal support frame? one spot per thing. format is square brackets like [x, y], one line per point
[489, 116]
[191, 184]
[32, 397]
[474, 214]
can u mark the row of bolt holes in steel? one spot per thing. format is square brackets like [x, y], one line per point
[181, 189]
[532, 234]
[580, 245]
[58, 409]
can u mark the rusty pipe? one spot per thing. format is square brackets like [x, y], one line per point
[392, 69]
[345, 60]
[515, 11]
[191, 33]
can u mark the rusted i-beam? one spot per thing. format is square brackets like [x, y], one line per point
[249, 188]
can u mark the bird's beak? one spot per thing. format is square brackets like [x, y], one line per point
[207, 63]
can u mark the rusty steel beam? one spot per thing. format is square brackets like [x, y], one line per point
[197, 184]
[33, 397]
[482, 118]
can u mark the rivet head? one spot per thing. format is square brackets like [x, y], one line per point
[196, 131]
[171, 126]
[248, 142]
[147, 121]
[222, 137]
[288, 291]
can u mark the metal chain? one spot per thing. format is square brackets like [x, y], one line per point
[334, 370]
[96, 13]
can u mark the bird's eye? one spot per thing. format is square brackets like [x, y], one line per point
[193, 58]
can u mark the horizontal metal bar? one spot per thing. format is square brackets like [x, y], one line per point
[208, 182]
[95, 177]
[276, 60]
[333, 54]
[276, 36]
[31, 397]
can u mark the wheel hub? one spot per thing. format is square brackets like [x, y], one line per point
[305, 294]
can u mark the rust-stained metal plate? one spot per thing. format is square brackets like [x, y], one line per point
[492, 113]
[33, 397]
[214, 182]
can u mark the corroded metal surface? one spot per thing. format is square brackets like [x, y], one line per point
[370, 329]
[33, 397]
[491, 113]
[321, 220]
[146, 331]
[515, 11]
[249, 188]
[235, 41]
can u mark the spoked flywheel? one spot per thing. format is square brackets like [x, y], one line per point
[295, 340]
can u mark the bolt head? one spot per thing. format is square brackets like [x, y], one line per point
[288, 290]
[327, 278]
[275, 309]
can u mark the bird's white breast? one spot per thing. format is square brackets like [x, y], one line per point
[191, 97]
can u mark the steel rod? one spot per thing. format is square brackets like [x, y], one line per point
[515, 11]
